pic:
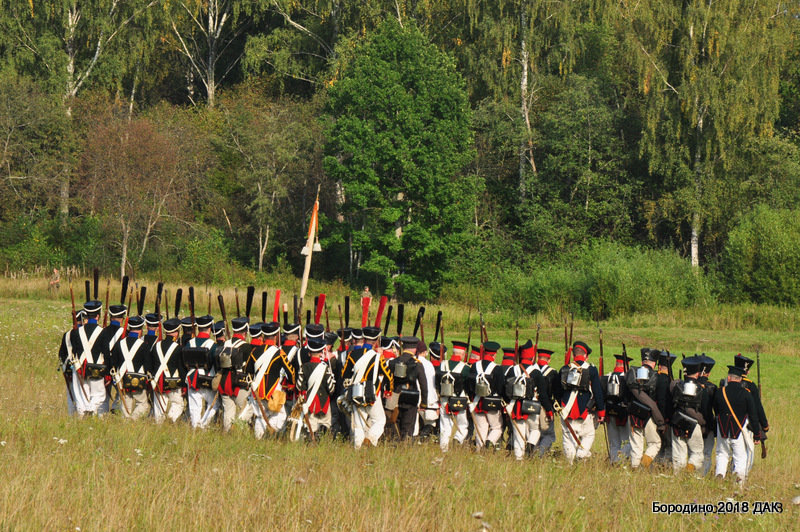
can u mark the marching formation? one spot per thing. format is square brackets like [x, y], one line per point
[362, 385]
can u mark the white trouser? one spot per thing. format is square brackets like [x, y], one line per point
[199, 402]
[735, 448]
[230, 406]
[367, 422]
[172, 403]
[275, 420]
[519, 437]
[616, 435]
[95, 391]
[548, 435]
[488, 427]
[137, 404]
[584, 429]
[644, 441]
[708, 450]
[319, 420]
[446, 428]
[534, 427]
[749, 447]
[688, 450]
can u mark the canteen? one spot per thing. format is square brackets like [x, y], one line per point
[643, 373]
[574, 377]
[482, 389]
[447, 388]
[400, 370]
[357, 392]
[518, 389]
[613, 388]
[690, 389]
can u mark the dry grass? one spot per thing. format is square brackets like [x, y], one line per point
[61, 473]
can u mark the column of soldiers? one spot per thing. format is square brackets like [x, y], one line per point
[287, 379]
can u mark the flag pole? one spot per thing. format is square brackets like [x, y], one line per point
[310, 247]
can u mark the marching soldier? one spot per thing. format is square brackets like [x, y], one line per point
[232, 387]
[526, 396]
[315, 384]
[735, 409]
[411, 386]
[706, 364]
[218, 329]
[689, 425]
[362, 374]
[664, 382]
[109, 338]
[430, 414]
[745, 363]
[647, 420]
[340, 422]
[485, 386]
[617, 399]
[389, 350]
[168, 374]
[200, 371]
[553, 380]
[89, 363]
[129, 360]
[65, 354]
[187, 327]
[451, 380]
[582, 393]
[152, 322]
[268, 369]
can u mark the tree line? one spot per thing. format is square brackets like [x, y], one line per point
[452, 141]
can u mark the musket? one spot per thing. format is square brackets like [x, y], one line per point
[248, 302]
[347, 311]
[438, 325]
[191, 311]
[88, 288]
[178, 297]
[264, 306]
[625, 358]
[96, 275]
[236, 297]
[566, 343]
[119, 391]
[401, 307]
[484, 334]
[327, 320]
[124, 290]
[420, 315]
[536, 343]
[571, 324]
[516, 346]
[388, 320]
[758, 376]
[208, 301]
[74, 314]
[224, 315]
[341, 328]
[105, 309]
[601, 352]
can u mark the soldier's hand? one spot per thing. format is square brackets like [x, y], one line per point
[662, 429]
[549, 415]
[601, 416]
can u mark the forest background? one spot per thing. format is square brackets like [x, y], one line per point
[610, 157]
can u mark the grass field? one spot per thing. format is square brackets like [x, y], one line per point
[96, 474]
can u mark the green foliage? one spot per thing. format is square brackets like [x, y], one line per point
[398, 138]
[761, 262]
[25, 246]
[206, 259]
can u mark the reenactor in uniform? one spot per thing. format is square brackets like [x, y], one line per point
[485, 386]
[187, 327]
[200, 371]
[582, 395]
[451, 380]
[706, 364]
[232, 387]
[411, 385]
[168, 374]
[218, 329]
[741, 361]
[617, 399]
[689, 425]
[268, 369]
[65, 355]
[316, 385]
[664, 381]
[526, 396]
[112, 334]
[129, 361]
[363, 374]
[152, 323]
[430, 414]
[291, 346]
[89, 363]
[340, 422]
[735, 409]
[553, 379]
[647, 420]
